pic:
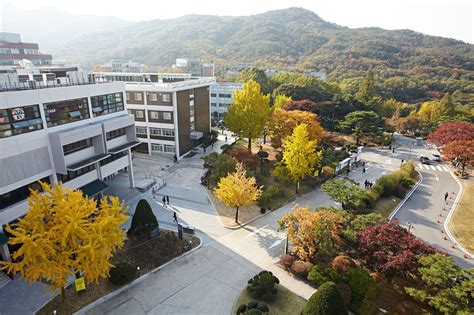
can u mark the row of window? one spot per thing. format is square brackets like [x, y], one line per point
[16, 51]
[222, 105]
[77, 146]
[221, 95]
[166, 148]
[16, 121]
[153, 97]
[107, 104]
[140, 114]
[163, 132]
[115, 133]
[20, 194]
[64, 112]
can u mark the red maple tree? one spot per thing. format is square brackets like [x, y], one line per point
[452, 131]
[390, 249]
[461, 152]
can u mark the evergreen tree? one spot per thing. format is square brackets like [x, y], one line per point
[366, 93]
[144, 221]
[326, 301]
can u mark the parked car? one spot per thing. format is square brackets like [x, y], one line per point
[436, 158]
[425, 160]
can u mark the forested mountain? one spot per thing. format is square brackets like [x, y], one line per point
[405, 62]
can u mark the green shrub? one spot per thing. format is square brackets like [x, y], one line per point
[241, 309]
[143, 221]
[262, 286]
[407, 182]
[122, 273]
[361, 283]
[252, 304]
[263, 307]
[400, 192]
[254, 311]
[388, 183]
[225, 147]
[409, 169]
[301, 268]
[328, 171]
[373, 195]
[320, 274]
[326, 301]
[345, 291]
[268, 195]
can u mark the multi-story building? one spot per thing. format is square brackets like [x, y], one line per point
[77, 134]
[172, 111]
[122, 65]
[13, 50]
[222, 97]
[195, 67]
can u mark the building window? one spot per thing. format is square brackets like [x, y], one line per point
[73, 174]
[162, 132]
[154, 115]
[16, 121]
[214, 104]
[223, 105]
[156, 147]
[153, 97]
[225, 95]
[67, 111]
[20, 194]
[166, 97]
[213, 94]
[128, 96]
[139, 114]
[77, 146]
[115, 133]
[107, 104]
[166, 115]
[169, 148]
[112, 158]
[138, 96]
[141, 130]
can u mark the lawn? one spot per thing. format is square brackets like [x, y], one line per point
[147, 255]
[385, 206]
[463, 217]
[286, 302]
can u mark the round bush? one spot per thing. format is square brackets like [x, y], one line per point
[252, 304]
[254, 311]
[286, 261]
[263, 307]
[301, 268]
[320, 274]
[122, 273]
[345, 291]
[326, 301]
[241, 309]
[361, 283]
[342, 264]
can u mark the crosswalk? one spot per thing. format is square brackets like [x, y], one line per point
[440, 168]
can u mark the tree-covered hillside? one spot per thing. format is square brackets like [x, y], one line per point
[407, 64]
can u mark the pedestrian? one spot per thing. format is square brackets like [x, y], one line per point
[348, 170]
[225, 138]
[370, 184]
[446, 196]
[153, 192]
[212, 145]
[175, 158]
[409, 225]
[167, 200]
[164, 201]
[363, 164]
[403, 161]
[366, 183]
[175, 217]
[393, 150]
[363, 169]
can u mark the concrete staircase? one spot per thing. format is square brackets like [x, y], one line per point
[4, 279]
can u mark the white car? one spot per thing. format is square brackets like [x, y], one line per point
[436, 158]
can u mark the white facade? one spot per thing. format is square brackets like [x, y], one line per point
[221, 98]
[91, 142]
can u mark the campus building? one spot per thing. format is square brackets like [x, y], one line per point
[171, 111]
[221, 98]
[195, 67]
[13, 50]
[78, 133]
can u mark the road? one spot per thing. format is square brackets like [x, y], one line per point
[424, 209]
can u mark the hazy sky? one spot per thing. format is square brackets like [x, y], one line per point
[448, 18]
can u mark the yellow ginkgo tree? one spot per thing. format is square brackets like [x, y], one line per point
[237, 190]
[64, 234]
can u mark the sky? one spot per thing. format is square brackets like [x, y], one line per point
[447, 18]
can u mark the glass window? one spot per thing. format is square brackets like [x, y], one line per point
[162, 132]
[153, 97]
[107, 104]
[213, 94]
[141, 130]
[128, 96]
[139, 114]
[166, 115]
[166, 97]
[73, 174]
[157, 147]
[153, 115]
[138, 96]
[213, 104]
[20, 194]
[115, 133]
[77, 146]
[67, 111]
[19, 120]
[225, 95]
[169, 148]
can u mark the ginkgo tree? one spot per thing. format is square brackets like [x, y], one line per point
[300, 157]
[65, 233]
[237, 190]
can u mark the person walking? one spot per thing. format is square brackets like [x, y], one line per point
[153, 192]
[167, 200]
[225, 138]
[164, 201]
[175, 158]
[446, 196]
[363, 169]
[175, 217]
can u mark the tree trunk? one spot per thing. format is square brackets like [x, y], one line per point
[296, 186]
[63, 293]
[264, 138]
[250, 144]
[236, 214]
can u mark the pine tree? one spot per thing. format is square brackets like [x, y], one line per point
[144, 221]
[366, 93]
[65, 233]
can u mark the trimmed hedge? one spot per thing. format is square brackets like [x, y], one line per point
[320, 274]
[301, 268]
[362, 285]
[262, 286]
[122, 273]
[326, 301]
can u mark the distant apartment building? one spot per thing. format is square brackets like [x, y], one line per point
[221, 98]
[195, 67]
[122, 65]
[172, 111]
[79, 134]
[13, 50]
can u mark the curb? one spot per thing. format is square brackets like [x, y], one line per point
[135, 282]
[451, 213]
[395, 211]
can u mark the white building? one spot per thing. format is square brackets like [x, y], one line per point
[79, 135]
[195, 67]
[122, 65]
[221, 98]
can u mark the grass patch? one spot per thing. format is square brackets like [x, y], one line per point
[385, 206]
[147, 255]
[461, 222]
[286, 302]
